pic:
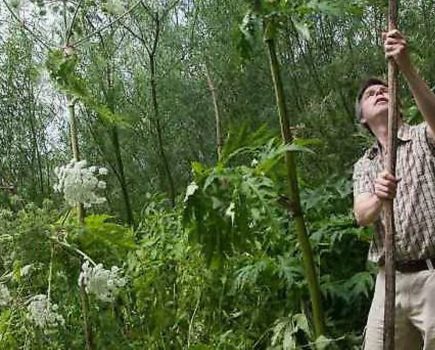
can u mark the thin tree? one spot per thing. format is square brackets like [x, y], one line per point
[218, 118]
[151, 49]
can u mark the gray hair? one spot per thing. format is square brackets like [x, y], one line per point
[363, 87]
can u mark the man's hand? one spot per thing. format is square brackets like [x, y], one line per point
[386, 185]
[395, 47]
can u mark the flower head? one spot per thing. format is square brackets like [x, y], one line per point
[43, 313]
[104, 284]
[80, 183]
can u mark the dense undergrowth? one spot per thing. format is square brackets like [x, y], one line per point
[221, 270]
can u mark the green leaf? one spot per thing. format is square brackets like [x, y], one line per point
[294, 147]
[361, 283]
[289, 342]
[323, 342]
[302, 323]
[101, 236]
[190, 191]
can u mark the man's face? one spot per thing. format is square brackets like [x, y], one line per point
[374, 103]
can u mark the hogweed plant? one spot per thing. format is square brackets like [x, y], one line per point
[43, 313]
[102, 283]
[80, 184]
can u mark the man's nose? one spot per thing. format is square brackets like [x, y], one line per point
[379, 91]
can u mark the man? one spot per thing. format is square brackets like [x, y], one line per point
[413, 190]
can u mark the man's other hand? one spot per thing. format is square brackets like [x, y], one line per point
[386, 185]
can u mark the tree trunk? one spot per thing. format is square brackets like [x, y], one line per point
[218, 121]
[118, 155]
[295, 205]
[390, 273]
[32, 120]
[156, 118]
[121, 176]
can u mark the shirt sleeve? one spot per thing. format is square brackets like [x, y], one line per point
[430, 139]
[362, 181]
[425, 138]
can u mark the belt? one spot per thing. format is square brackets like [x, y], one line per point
[415, 265]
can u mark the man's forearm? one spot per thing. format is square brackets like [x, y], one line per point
[367, 209]
[424, 97]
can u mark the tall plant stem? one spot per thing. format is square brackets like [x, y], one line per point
[295, 204]
[75, 146]
[86, 325]
[390, 274]
[218, 119]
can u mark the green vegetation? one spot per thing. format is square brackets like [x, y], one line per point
[188, 227]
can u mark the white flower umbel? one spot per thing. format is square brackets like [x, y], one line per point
[5, 296]
[79, 183]
[104, 284]
[43, 313]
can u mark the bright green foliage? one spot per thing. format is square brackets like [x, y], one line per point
[103, 238]
[234, 209]
[222, 269]
[174, 297]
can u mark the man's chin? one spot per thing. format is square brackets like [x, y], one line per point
[379, 118]
[382, 109]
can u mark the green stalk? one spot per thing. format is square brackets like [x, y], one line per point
[89, 341]
[294, 202]
[75, 147]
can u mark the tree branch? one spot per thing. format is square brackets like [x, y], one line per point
[26, 28]
[117, 19]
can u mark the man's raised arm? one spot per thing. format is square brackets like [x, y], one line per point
[396, 47]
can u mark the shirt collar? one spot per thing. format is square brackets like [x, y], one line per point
[403, 134]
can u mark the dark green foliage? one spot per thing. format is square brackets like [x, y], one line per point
[222, 269]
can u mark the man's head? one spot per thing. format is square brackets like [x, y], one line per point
[372, 102]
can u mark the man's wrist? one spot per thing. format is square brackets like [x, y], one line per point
[378, 200]
[409, 71]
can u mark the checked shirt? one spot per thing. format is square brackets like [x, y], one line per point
[414, 205]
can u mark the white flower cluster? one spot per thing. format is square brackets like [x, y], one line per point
[79, 183]
[104, 284]
[5, 296]
[43, 313]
